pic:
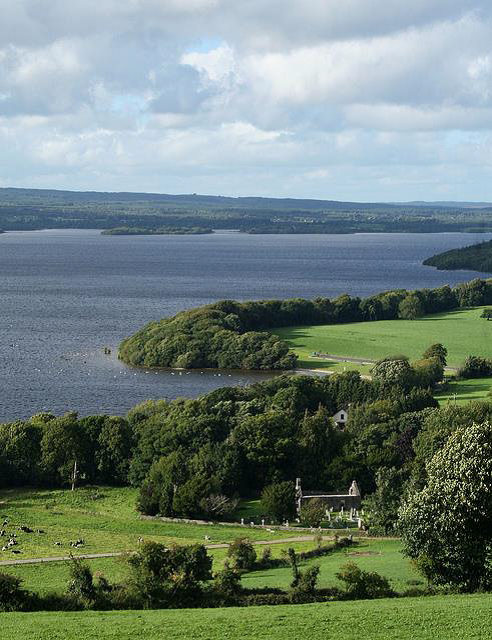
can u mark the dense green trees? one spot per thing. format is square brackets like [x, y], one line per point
[446, 526]
[410, 307]
[56, 451]
[278, 500]
[475, 367]
[477, 257]
[195, 457]
[231, 334]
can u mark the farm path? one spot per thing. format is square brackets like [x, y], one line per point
[92, 556]
[330, 356]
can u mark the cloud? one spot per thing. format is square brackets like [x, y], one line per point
[361, 98]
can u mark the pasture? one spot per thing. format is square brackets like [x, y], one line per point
[463, 391]
[431, 618]
[381, 555]
[105, 518]
[462, 332]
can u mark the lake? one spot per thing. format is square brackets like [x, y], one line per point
[67, 294]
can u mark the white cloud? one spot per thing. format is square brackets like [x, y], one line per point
[357, 99]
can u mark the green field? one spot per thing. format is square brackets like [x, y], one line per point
[381, 555]
[463, 391]
[431, 618]
[462, 332]
[107, 523]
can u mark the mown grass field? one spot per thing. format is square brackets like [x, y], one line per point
[105, 518]
[462, 332]
[463, 391]
[432, 618]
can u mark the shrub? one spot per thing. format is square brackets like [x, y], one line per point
[226, 586]
[12, 596]
[475, 367]
[303, 587]
[362, 585]
[242, 554]
[313, 512]
[81, 583]
[169, 577]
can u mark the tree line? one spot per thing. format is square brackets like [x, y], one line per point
[195, 457]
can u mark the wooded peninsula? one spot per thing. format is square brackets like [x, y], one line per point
[234, 335]
[477, 257]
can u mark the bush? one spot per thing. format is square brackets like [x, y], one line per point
[363, 585]
[242, 554]
[169, 577]
[475, 367]
[303, 586]
[226, 587]
[312, 513]
[12, 596]
[81, 583]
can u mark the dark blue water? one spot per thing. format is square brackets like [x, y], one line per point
[67, 294]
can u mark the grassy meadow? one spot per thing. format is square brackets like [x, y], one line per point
[462, 332]
[463, 391]
[431, 618]
[381, 555]
[105, 518]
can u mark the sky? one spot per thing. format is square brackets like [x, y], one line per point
[364, 100]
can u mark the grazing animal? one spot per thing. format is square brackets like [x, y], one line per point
[16, 551]
[26, 529]
[57, 544]
[207, 538]
[4, 548]
[2, 533]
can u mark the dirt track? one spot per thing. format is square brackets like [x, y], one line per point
[92, 556]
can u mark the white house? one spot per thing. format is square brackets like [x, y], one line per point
[340, 418]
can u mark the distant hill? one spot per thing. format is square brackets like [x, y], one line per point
[477, 257]
[28, 209]
[41, 196]
[447, 203]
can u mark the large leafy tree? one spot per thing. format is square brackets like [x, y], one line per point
[446, 527]
[410, 308]
[382, 506]
[115, 445]
[278, 500]
[64, 450]
[437, 351]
